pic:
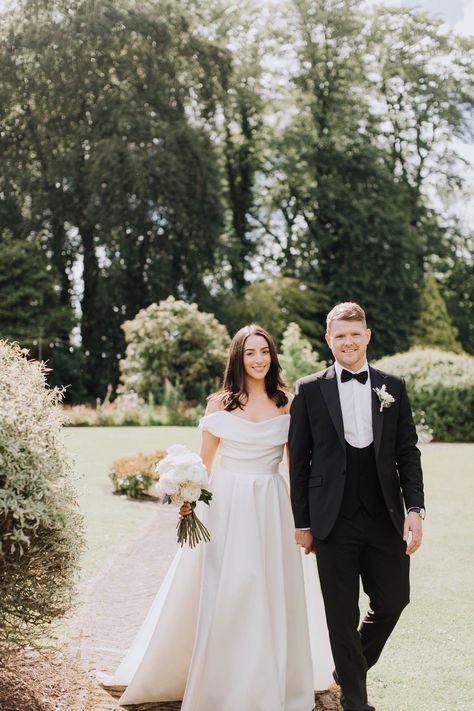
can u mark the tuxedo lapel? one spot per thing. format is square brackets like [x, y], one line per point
[376, 381]
[330, 393]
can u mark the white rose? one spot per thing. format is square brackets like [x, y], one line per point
[163, 466]
[190, 492]
[168, 486]
[198, 474]
[185, 460]
[177, 449]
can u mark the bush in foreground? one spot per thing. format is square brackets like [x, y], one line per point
[441, 390]
[40, 524]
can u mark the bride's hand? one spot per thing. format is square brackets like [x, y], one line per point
[185, 510]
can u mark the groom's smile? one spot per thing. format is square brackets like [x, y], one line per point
[348, 341]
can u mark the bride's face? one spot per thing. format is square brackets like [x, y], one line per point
[257, 358]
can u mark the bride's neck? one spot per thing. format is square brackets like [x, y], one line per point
[255, 388]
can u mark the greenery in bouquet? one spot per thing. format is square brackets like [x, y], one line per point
[135, 476]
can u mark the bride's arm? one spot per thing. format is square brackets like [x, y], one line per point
[209, 447]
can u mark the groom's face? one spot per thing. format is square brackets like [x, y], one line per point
[348, 341]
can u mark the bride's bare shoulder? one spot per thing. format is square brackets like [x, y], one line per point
[215, 403]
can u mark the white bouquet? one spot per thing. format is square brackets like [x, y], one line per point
[183, 479]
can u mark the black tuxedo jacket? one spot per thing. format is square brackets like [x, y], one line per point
[318, 451]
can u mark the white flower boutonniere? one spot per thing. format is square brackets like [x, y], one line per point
[384, 397]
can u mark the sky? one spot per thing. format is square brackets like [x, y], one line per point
[458, 14]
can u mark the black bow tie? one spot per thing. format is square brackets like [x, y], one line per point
[346, 375]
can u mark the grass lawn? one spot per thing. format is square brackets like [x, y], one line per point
[110, 520]
[426, 664]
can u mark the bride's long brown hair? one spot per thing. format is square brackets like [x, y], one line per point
[234, 393]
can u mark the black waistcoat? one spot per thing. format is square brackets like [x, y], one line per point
[362, 487]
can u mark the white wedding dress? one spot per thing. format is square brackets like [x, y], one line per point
[229, 628]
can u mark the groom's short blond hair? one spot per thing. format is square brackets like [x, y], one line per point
[346, 311]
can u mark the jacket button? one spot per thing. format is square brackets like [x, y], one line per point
[391, 510]
[343, 473]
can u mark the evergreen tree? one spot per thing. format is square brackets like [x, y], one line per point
[30, 308]
[433, 327]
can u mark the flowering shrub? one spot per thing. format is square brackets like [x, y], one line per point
[441, 390]
[126, 410]
[173, 341]
[40, 525]
[134, 476]
[130, 410]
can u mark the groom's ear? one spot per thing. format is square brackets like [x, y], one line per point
[369, 335]
[328, 339]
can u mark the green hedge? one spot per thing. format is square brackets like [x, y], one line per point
[441, 390]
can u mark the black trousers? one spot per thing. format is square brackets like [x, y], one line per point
[367, 548]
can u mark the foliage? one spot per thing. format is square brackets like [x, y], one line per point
[433, 327]
[40, 526]
[347, 215]
[441, 390]
[129, 410]
[173, 341]
[297, 358]
[134, 476]
[30, 308]
[111, 100]
[233, 145]
[176, 411]
[458, 286]
[126, 410]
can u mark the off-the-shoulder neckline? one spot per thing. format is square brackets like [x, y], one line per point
[244, 419]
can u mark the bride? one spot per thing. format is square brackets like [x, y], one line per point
[229, 628]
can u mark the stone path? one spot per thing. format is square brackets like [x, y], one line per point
[116, 603]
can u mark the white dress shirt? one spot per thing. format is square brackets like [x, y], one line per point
[356, 406]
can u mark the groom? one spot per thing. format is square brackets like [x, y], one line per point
[354, 470]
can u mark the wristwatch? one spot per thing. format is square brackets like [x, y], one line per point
[417, 509]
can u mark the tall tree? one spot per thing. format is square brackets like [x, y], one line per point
[423, 84]
[30, 308]
[347, 229]
[101, 146]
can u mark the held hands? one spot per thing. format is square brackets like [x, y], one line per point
[305, 540]
[413, 526]
[184, 510]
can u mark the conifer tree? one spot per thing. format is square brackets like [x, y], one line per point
[433, 327]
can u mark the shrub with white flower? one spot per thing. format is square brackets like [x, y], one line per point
[184, 479]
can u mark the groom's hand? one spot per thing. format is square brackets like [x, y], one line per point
[413, 525]
[305, 540]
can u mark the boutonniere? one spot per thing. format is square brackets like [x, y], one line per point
[384, 397]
